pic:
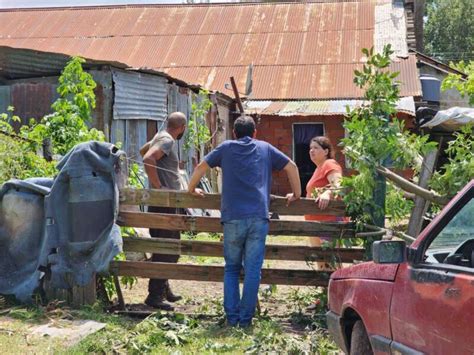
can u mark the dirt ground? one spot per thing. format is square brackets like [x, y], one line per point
[197, 295]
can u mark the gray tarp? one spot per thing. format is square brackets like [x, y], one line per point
[452, 119]
[61, 226]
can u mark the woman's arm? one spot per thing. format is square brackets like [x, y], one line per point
[334, 179]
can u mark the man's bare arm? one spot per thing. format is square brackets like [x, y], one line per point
[144, 149]
[196, 177]
[294, 176]
[150, 161]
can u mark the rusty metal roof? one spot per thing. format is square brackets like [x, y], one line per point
[316, 107]
[299, 51]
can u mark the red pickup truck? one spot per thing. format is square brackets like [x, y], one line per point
[411, 300]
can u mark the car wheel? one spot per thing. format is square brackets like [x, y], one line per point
[360, 344]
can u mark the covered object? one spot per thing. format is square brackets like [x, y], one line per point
[63, 226]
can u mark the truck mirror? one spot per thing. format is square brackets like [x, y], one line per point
[389, 251]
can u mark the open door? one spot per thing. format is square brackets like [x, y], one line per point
[302, 135]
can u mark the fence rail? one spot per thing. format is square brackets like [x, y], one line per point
[216, 249]
[128, 216]
[180, 199]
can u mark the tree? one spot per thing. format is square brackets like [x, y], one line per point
[449, 29]
[67, 125]
[456, 81]
[198, 134]
[375, 137]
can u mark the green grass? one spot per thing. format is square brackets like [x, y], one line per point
[173, 333]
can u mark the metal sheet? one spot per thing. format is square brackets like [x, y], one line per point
[317, 43]
[316, 107]
[139, 96]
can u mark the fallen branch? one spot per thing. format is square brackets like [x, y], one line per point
[404, 236]
[408, 186]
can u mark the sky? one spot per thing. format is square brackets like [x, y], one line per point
[67, 3]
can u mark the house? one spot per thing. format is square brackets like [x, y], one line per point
[293, 63]
[131, 104]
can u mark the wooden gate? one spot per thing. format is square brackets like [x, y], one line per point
[278, 227]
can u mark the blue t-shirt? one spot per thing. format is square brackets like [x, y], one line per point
[247, 166]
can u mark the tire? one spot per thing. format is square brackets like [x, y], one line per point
[360, 344]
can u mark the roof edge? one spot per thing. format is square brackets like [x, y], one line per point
[215, 4]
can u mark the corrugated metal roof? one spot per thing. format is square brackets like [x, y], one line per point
[303, 50]
[315, 107]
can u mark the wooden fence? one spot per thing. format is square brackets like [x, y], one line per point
[163, 198]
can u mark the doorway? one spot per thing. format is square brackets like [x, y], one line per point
[302, 135]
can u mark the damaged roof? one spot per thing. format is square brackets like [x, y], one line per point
[298, 51]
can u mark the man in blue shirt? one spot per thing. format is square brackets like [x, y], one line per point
[247, 166]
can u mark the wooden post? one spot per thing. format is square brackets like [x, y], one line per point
[47, 149]
[421, 205]
[237, 95]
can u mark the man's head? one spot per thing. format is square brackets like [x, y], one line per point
[176, 124]
[244, 126]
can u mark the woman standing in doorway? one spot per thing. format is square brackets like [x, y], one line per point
[327, 177]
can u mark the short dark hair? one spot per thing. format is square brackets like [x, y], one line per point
[244, 126]
[325, 143]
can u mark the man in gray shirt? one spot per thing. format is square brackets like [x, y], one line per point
[162, 167]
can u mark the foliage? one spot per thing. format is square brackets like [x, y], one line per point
[459, 170]
[398, 206]
[455, 81]
[375, 137]
[18, 157]
[197, 132]
[67, 125]
[449, 29]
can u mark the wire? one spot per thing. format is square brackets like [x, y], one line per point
[154, 166]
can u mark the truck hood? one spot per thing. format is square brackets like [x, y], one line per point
[368, 270]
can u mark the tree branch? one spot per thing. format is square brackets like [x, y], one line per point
[413, 188]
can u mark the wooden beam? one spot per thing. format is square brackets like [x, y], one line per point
[421, 205]
[272, 251]
[211, 224]
[214, 273]
[408, 186]
[182, 199]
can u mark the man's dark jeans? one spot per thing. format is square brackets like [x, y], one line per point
[156, 287]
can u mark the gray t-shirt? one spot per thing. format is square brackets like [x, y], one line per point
[168, 165]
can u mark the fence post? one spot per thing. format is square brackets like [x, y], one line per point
[47, 149]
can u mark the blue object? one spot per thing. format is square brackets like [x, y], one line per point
[430, 87]
[60, 227]
[247, 166]
[244, 240]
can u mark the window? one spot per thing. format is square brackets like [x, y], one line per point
[454, 245]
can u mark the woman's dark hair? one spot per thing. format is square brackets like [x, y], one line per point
[325, 143]
[244, 126]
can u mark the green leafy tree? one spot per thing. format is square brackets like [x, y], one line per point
[18, 154]
[198, 134]
[459, 170]
[449, 29]
[465, 86]
[375, 137]
[67, 125]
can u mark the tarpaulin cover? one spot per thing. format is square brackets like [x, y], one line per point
[452, 119]
[63, 226]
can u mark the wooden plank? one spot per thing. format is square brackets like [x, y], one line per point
[421, 205]
[272, 251]
[211, 224]
[215, 273]
[182, 199]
